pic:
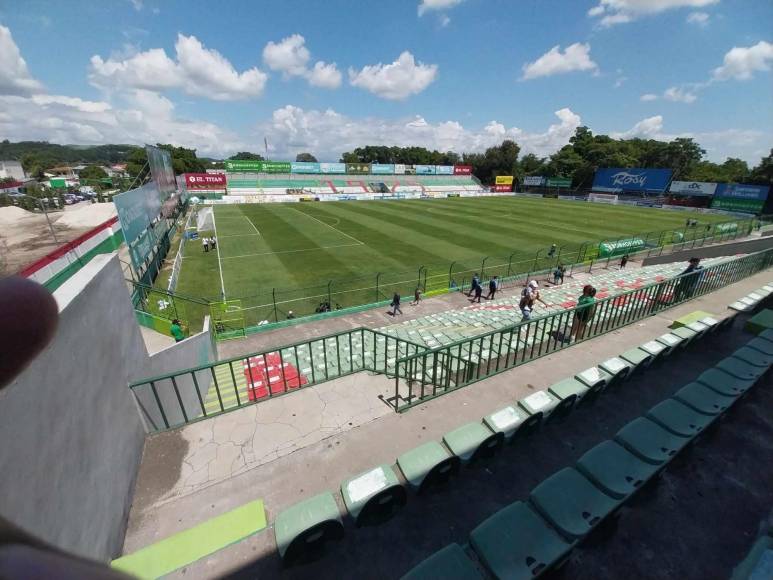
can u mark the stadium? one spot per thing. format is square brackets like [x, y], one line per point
[397, 361]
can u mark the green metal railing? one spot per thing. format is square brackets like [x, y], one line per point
[433, 373]
[189, 395]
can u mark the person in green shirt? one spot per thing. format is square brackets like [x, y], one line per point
[583, 313]
[176, 331]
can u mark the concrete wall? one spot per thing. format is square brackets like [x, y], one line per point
[72, 436]
[728, 249]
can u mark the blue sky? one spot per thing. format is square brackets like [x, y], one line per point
[327, 76]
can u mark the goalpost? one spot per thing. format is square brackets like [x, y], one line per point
[603, 198]
[205, 219]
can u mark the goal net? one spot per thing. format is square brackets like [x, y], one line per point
[205, 219]
[602, 198]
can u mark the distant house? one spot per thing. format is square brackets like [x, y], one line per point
[12, 169]
[11, 187]
[61, 171]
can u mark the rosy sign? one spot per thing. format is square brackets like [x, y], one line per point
[205, 181]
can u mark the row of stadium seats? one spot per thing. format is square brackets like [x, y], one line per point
[374, 496]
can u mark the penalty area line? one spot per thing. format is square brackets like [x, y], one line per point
[293, 251]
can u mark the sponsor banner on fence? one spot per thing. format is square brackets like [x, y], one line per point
[737, 204]
[332, 168]
[618, 179]
[444, 169]
[382, 168]
[533, 180]
[693, 187]
[424, 169]
[399, 168]
[358, 168]
[504, 180]
[410, 170]
[620, 247]
[243, 165]
[215, 171]
[205, 181]
[304, 167]
[743, 191]
[276, 166]
[462, 169]
[559, 182]
[501, 187]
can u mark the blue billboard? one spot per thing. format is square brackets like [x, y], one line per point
[444, 169]
[617, 179]
[424, 169]
[743, 191]
[382, 168]
[304, 167]
[332, 167]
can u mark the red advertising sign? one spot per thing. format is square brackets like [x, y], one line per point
[503, 187]
[462, 169]
[205, 181]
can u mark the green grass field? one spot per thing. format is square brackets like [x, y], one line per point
[299, 248]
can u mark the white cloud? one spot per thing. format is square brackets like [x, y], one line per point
[648, 97]
[395, 81]
[137, 4]
[430, 5]
[444, 21]
[325, 75]
[289, 55]
[619, 81]
[328, 133]
[198, 71]
[741, 63]
[621, 11]
[679, 95]
[576, 57]
[698, 18]
[15, 78]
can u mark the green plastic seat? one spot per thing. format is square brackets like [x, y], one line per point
[510, 421]
[614, 470]
[428, 465]
[761, 345]
[741, 306]
[724, 383]
[450, 563]
[571, 503]
[302, 530]
[759, 555]
[473, 441]
[760, 322]
[740, 369]
[569, 388]
[617, 368]
[753, 357]
[703, 399]
[637, 358]
[516, 543]
[711, 322]
[699, 327]
[766, 334]
[655, 349]
[670, 341]
[374, 496]
[595, 379]
[539, 402]
[686, 334]
[649, 441]
[678, 418]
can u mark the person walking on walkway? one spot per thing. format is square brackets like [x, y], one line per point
[396, 304]
[475, 283]
[623, 261]
[176, 330]
[493, 285]
[416, 296]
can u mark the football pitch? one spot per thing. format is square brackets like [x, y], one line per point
[283, 257]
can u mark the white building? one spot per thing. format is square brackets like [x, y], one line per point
[12, 169]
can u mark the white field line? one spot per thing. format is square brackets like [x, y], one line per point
[257, 231]
[328, 225]
[219, 261]
[292, 251]
[238, 235]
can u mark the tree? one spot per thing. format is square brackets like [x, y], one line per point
[93, 172]
[246, 156]
[763, 173]
[307, 157]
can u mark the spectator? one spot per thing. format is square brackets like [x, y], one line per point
[474, 285]
[529, 295]
[478, 293]
[290, 315]
[558, 274]
[213, 242]
[396, 304]
[623, 261]
[688, 280]
[493, 285]
[416, 296]
[205, 243]
[176, 331]
[552, 251]
[583, 313]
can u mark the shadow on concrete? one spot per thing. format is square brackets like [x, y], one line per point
[697, 522]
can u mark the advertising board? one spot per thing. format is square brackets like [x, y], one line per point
[304, 167]
[533, 180]
[743, 191]
[382, 168]
[161, 170]
[620, 247]
[332, 168]
[358, 168]
[399, 168]
[424, 169]
[503, 187]
[276, 166]
[504, 180]
[692, 187]
[618, 179]
[444, 169]
[559, 182]
[737, 204]
[205, 181]
[243, 165]
[462, 169]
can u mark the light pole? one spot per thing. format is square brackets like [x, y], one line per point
[50, 225]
